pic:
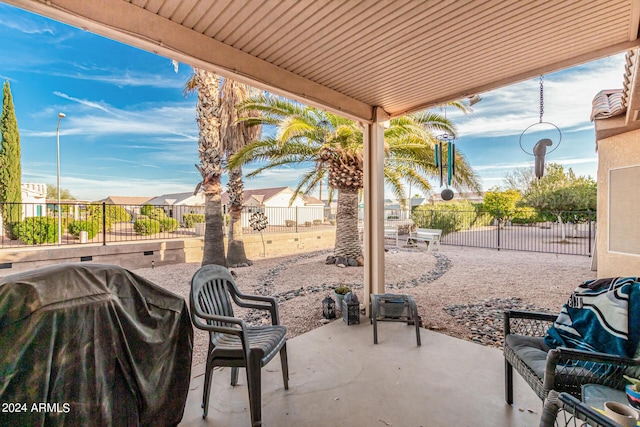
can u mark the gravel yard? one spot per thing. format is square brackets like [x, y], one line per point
[459, 291]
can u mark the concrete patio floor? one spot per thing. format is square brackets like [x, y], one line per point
[338, 377]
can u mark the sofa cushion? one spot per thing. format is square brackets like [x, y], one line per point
[531, 350]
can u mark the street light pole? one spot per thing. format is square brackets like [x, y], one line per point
[60, 117]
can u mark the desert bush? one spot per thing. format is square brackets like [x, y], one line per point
[146, 227]
[168, 224]
[317, 221]
[307, 223]
[450, 217]
[526, 215]
[289, 223]
[37, 230]
[114, 214]
[145, 209]
[190, 220]
[155, 213]
[91, 227]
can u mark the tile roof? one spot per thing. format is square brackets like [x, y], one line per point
[126, 200]
[265, 193]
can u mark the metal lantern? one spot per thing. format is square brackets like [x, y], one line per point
[328, 308]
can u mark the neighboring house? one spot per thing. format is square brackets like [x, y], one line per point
[393, 208]
[125, 200]
[34, 199]
[131, 204]
[616, 114]
[176, 205]
[274, 203]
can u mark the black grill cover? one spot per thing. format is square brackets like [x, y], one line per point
[91, 345]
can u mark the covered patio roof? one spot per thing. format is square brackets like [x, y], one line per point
[350, 56]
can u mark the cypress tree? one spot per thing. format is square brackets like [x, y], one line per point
[10, 170]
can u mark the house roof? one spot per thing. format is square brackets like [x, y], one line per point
[618, 110]
[311, 200]
[260, 194]
[126, 200]
[175, 198]
[353, 56]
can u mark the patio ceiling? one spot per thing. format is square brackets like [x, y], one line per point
[350, 56]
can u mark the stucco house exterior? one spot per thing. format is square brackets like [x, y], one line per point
[616, 114]
[131, 204]
[274, 203]
[34, 199]
[176, 205]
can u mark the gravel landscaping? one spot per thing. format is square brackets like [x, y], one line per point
[459, 291]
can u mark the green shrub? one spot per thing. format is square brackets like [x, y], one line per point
[153, 213]
[168, 224]
[145, 209]
[392, 217]
[37, 230]
[526, 215]
[190, 220]
[114, 214]
[157, 214]
[146, 227]
[91, 227]
[449, 217]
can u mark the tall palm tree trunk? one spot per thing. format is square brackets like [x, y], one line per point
[235, 250]
[208, 110]
[236, 135]
[213, 252]
[347, 240]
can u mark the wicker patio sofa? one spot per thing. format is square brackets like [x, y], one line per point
[560, 369]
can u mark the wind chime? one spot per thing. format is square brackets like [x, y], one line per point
[450, 165]
[539, 150]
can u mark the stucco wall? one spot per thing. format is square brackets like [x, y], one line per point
[615, 152]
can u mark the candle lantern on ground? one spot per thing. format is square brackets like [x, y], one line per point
[328, 308]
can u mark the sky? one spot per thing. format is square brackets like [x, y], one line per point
[131, 131]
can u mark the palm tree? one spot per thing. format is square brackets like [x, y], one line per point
[334, 145]
[234, 135]
[208, 114]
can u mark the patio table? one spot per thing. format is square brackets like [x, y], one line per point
[564, 410]
[394, 308]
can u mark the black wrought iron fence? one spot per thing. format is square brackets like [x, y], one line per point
[287, 219]
[29, 224]
[523, 230]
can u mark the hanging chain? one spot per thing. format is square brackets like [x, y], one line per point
[541, 98]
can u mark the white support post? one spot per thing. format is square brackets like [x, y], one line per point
[374, 206]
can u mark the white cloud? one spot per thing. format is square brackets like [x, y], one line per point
[122, 78]
[27, 26]
[567, 101]
[85, 102]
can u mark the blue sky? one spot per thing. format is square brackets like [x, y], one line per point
[130, 131]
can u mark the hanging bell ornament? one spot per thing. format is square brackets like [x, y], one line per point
[447, 194]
